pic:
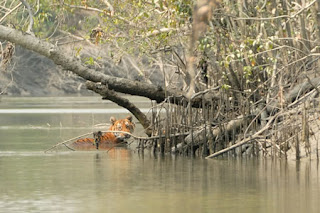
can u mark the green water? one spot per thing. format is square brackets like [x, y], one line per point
[124, 181]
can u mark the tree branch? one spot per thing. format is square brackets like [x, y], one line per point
[110, 7]
[26, 4]
[9, 12]
[122, 85]
[100, 11]
[59, 57]
[279, 17]
[123, 102]
[245, 140]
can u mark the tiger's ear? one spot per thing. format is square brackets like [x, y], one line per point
[113, 120]
[129, 117]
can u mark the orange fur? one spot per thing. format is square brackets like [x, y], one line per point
[108, 139]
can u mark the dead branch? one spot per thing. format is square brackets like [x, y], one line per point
[296, 92]
[59, 57]
[100, 11]
[123, 102]
[66, 141]
[245, 140]
[26, 4]
[10, 11]
[216, 131]
[279, 17]
[91, 133]
[7, 55]
[110, 7]
[69, 147]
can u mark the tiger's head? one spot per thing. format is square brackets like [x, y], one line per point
[123, 125]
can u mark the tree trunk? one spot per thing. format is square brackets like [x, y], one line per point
[123, 102]
[70, 63]
[197, 137]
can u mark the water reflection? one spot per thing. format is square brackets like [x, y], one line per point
[121, 180]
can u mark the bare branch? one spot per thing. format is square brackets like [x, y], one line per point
[110, 7]
[245, 140]
[100, 11]
[38, 7]
[162, 30]
[9, 12]
[123, 102]
[6, 55]
[75, 37]
[59, 57]
[26, 4]
[4, 8]
[280, 17]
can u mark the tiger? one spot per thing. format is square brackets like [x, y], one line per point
[108, 139]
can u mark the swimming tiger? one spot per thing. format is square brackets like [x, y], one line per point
[108, 139]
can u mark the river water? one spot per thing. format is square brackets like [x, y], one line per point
[123, 180]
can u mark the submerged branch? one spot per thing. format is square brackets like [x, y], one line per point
[91, 133]
[66, 141]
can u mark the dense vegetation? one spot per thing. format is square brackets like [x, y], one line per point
[231, 70]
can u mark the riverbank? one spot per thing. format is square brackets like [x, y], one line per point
[30, 74]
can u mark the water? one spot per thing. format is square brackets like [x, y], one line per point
[124, 181]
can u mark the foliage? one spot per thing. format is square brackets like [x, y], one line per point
[243, 59]
[249, 46]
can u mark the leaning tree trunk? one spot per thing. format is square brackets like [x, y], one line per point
[111, 84]
[69, 63]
